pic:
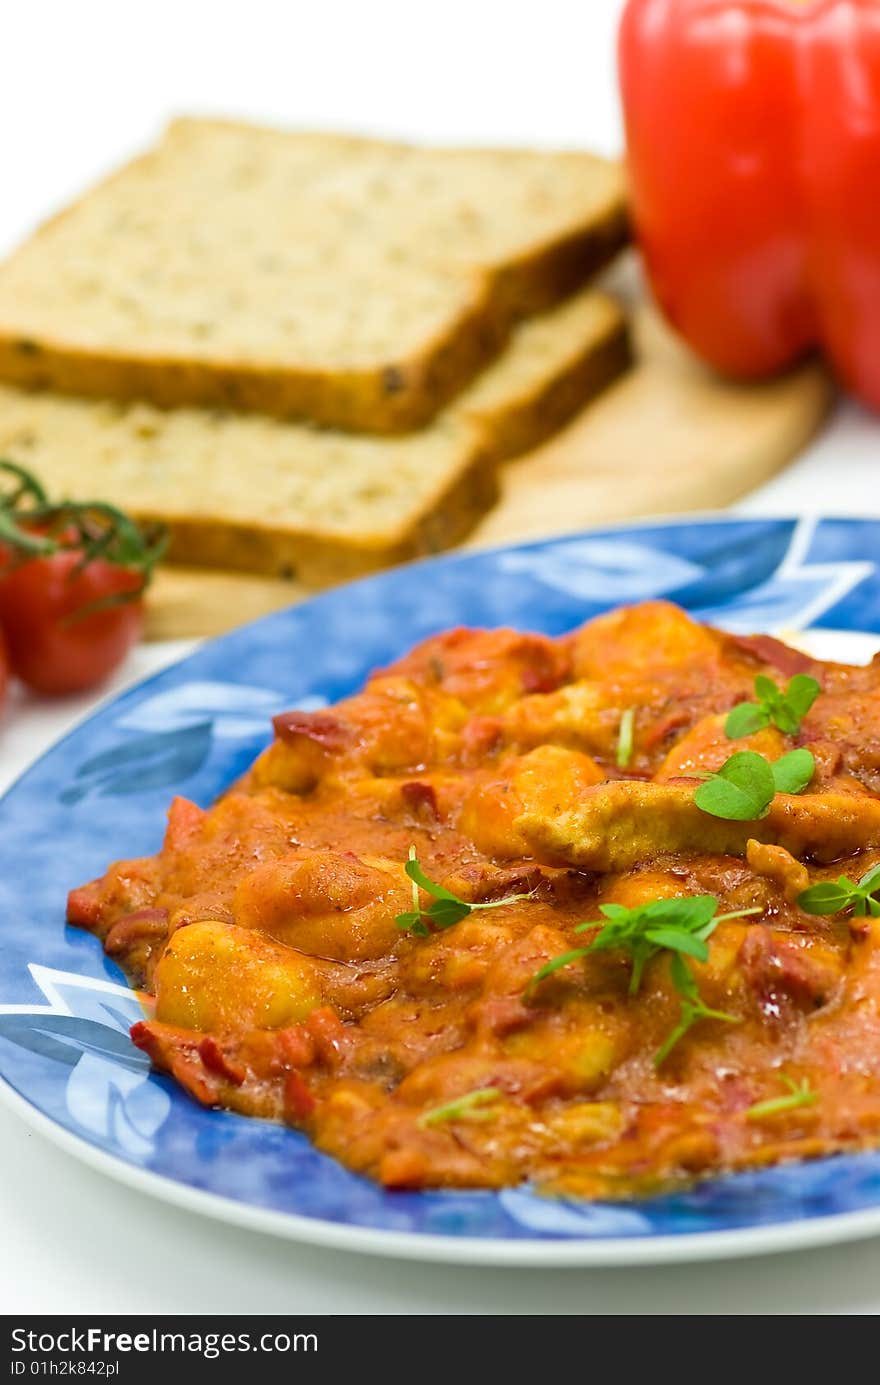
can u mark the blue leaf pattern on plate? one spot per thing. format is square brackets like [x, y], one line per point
[149, 762]
[180, 727]
[109, 1091]
[606, 570]
[562, 1217]
[66, 1039]
[233, 711]
[117, 1104]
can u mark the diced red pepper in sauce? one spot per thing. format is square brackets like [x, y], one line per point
[323, 728]
[298, 1100]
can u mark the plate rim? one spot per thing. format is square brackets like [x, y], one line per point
[578, 1252]
[522, 1252]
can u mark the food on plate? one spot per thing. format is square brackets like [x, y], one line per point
[753, 131]
[355, 283]
[72, 580]
[286, 499]
[599, 911]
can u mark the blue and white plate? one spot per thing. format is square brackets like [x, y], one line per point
[65, 1058]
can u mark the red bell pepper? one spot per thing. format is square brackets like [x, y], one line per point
[753, 134]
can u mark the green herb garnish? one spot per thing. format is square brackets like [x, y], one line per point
[835, 896]
[447, 908]
[672, 925]
[692, 1007]
[746, 784]
[799, 1094]
[469, 1107]
[625, 738]
[784, 710]
[793, 772]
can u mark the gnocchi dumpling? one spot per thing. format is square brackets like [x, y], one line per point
[215, 977]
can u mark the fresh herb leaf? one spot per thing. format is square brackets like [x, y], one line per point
[800, 695]
[799, 1094]
[679, 925]
[625, 738]
[793, 772]
[674, 940]
[835, 896]
[740, 791]
[829, 896]
[868, 886]
[693, 1008]
[411, 922]
[746, 784]
[784, 710]
[745, 720]
[635, 930]
[469, 1107]
[446, 910]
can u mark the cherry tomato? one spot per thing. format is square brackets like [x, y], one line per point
[67, 624]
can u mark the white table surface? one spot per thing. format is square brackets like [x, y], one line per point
[82, 86]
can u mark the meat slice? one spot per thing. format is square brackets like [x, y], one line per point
[618, 825]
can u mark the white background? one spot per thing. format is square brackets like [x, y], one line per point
[83, 85]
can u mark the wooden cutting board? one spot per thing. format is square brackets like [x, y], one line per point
[668, 436]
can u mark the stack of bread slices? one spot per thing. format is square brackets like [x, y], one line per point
[308, 353]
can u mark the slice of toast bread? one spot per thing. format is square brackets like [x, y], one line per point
[351, 282]
[252, 493]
